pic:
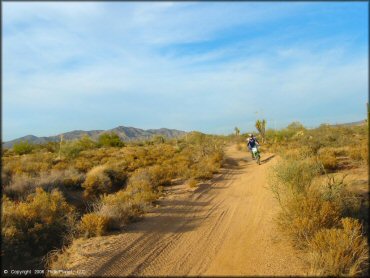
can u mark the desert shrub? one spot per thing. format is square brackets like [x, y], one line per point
[118, 208]
[160, 175]
[52, 147]
[86, 143]
[117, 174]
[158, 139]
[61, 165]
[6, 176]
[328, 159]
[340, 151]
[20, 186]
[202, 170]
[239, 147]
[126, 205]
[217, 157]
[339, 251]
[23, 147]
[97, 182]
[93, 224]
[110, 140]
[34, 227]
[305, 215]
[71, 149]
[359, 153]
[291, 176]
[205, 166]
[5, 151]
[140, 187]
[297, 153]
[30, 164]
[82, 164]
[192, 182]
[180, 166]
[195, 137]
[334, 190]
[69, 178]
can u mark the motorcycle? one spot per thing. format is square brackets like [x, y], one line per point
[256, 155]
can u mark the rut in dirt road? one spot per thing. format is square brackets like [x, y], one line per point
[224, 227]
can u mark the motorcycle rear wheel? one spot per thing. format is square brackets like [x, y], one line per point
[258, 159]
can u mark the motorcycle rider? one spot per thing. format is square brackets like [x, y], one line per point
[251, 143]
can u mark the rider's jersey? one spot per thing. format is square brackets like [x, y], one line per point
[252, 142]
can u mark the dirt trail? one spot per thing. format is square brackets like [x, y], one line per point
[224, 227]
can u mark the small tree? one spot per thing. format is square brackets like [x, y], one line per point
[23, 147]
[110, 140]
[261, 127]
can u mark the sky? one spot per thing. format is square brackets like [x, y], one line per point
[184, 65]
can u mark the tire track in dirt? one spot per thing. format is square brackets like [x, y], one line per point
[224, 227]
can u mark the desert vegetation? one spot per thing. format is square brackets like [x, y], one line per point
[321, 214]
[56, 192]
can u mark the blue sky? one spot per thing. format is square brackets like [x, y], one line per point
[185, 65]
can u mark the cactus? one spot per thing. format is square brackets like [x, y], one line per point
[261, 127]
[237, 131]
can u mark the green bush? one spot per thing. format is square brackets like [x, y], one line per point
[110, 140]
[23, 147]
[52, 147]
[71, 149]
[86, 143]
[292, 177]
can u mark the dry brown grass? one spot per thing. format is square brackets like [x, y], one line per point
[93, 224]
[303, 216]
[339, 251]
[30, 228]
[192, 183]
[291, 177]
[126, 205]
[22, 185]
[328, 158]
[97, 182]
[239, 146]
[359, 153]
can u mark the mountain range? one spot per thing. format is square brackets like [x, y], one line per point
[125, 133]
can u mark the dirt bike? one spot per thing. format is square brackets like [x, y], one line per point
[256, 155]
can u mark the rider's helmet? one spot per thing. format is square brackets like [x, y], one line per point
[251, 135]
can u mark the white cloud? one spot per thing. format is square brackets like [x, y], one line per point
[90, 54]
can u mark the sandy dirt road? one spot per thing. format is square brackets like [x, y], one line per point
[224, 227]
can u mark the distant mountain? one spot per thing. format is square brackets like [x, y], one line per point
[352, 123]
[125, 133]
